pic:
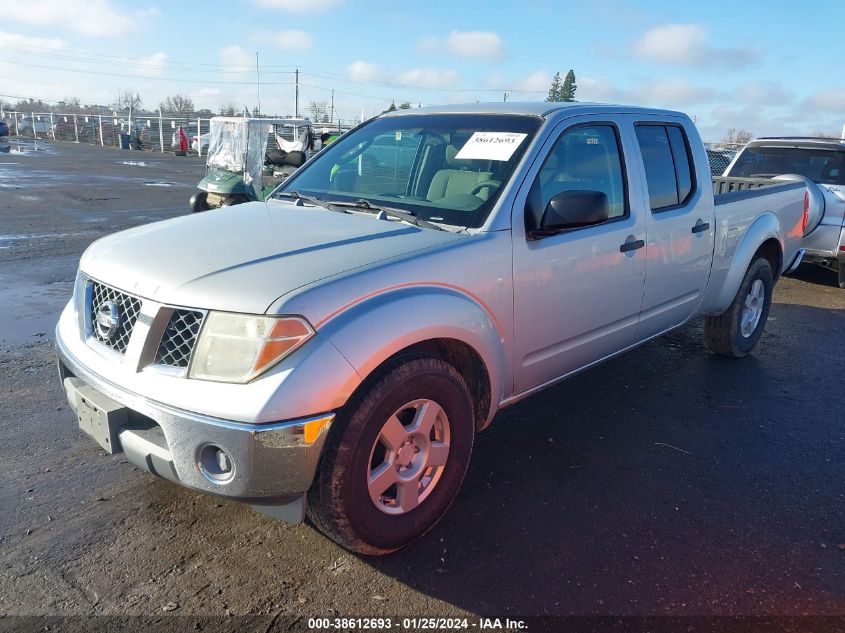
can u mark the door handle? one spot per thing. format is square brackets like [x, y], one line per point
[631, 245]
[700, 227]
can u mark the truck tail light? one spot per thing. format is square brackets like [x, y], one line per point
[806, 218]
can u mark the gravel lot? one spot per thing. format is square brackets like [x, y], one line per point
[667, 482]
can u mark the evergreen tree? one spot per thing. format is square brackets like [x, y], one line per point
[567, 91]
[554, 89]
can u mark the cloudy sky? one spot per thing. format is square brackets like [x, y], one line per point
[772, 68]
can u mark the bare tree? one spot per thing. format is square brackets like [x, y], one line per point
[178, 104]
[70, 105]
[127, 100]
[736, 136]
[822, 134]
[319, 111]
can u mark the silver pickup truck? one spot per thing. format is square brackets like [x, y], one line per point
[334, 350]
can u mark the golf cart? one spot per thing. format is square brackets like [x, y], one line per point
[241, 168]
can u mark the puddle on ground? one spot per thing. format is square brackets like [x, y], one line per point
[12, 240]
[29, 312]
[161, 184]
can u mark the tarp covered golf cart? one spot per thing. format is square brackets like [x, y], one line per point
[239, 165]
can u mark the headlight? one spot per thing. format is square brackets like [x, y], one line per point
[239, 347]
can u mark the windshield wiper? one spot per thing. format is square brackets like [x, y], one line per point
[317, 202]
[405, 216]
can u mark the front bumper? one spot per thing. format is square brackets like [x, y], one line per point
[271, 464]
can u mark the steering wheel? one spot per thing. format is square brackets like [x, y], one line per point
[492, 184]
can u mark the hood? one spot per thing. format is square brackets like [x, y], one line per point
[243, 258]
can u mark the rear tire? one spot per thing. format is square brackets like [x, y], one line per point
[350, 501]
[736, 331]
[842, 274]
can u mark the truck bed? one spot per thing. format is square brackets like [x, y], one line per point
[727, 189]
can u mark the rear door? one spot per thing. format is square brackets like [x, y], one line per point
[680, 220]
[578, 293]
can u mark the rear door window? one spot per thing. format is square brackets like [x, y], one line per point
[667, 163]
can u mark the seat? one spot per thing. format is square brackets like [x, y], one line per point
[833, 170]
[458, 179]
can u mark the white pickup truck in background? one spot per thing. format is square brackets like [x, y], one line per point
[821, 161]
[335, 349]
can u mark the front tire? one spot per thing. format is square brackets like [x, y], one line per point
[736, 331]
[199, 202]
[233, 200]
[396, 457]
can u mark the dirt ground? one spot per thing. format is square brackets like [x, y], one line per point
[667, 482]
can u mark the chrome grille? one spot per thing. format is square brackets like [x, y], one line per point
[180, 335]
[128, 308]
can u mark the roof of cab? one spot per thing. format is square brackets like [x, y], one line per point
[533, 108]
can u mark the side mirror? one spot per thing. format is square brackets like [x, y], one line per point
[573, 209]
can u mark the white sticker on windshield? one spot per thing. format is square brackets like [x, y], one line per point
[491, 146]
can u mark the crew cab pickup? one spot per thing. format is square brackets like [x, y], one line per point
[821, 163]
[335, 349]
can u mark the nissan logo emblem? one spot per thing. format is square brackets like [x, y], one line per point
[107, 320]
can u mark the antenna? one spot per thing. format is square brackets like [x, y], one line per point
[258, 81]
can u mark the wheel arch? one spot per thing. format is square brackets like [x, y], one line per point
[387, 327]
[763, 237]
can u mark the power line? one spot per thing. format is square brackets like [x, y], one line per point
[197, 67]
[149, 77]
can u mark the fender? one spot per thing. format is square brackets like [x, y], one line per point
[766, 226]
[373, 330]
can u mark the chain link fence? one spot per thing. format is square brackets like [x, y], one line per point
[720, 155]
[150, 132]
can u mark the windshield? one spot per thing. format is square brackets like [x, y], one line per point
[448, 169]
[825, 166]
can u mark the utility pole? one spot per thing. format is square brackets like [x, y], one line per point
[507, 94]
[331, 112]
[296, 103]
[257, 82]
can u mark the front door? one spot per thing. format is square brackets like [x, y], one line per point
[577, 294]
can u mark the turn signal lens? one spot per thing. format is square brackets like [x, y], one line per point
[239, 347]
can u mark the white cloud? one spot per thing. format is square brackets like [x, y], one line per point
[293, 40]
[363, 71]
[482, 45]
[15, 41]
[475, 44]
[88, 17]
[832, 100]
[538, 81]
[763, 93]
[237, 59]
[299, 6]
[428, 78]
[153, 65]
[687, 44]
[596, 90]
[673, 93]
